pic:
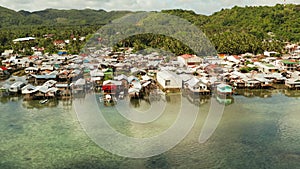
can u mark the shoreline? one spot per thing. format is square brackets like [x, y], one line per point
[262, 93]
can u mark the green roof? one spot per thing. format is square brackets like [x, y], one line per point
[269, 65]
[289, 62]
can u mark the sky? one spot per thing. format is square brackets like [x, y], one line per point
[205, 7]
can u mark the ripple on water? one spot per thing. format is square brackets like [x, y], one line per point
[253, 133]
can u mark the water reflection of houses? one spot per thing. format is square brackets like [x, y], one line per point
[34, 104]
[226, 100]
[4, 90]
[291, 93]
[63, 90]
[263, 93]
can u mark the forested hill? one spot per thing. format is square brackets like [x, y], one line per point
[10, 18]
[233, 31]
[282, 21]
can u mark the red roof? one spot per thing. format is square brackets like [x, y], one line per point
[48, 35]
[59, 42]
[3, 68]
[236, 56]
[41, 49]
[33, 57]
[110, 87]
[187, 56]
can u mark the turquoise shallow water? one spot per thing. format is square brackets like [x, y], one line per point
[260, 129]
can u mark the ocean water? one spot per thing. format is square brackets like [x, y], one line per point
[258, 129]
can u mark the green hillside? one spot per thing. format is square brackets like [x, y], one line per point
[282, 20]
[234, 31]
[57, 17]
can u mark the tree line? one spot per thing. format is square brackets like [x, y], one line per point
[232, 31]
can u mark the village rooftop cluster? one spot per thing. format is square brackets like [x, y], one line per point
[124, 73]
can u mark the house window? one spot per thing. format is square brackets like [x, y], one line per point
[167, 82]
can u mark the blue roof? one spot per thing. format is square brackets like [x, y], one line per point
[62, 52]
[45, 76]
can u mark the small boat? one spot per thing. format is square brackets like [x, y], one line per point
[43, 101]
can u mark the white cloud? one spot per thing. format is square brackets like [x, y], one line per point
[199, 6]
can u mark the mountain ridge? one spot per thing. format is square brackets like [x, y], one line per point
[233, 31]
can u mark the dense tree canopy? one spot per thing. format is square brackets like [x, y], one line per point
[232, 31]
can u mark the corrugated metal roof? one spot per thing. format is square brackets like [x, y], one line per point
[44, 76]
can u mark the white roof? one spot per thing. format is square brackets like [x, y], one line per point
[185, 77]
[32, 89]
[121, 77]
[118, 83]
[23, 39]
[233, 59]
[42, 89]
[133, 90]
[146, 84]
[80, 82]
[16, 84]
[49, 83]
[28, 89]
[96, 73]
[119, 65]
[61, 85]
[146, 78]
[192, 82]
[31, 68]
[168, 75]
[52, 89]
[131, 78]
[95, 79]
[136, 85]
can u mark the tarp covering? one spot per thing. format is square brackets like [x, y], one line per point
[3, 68]
[109, 87]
